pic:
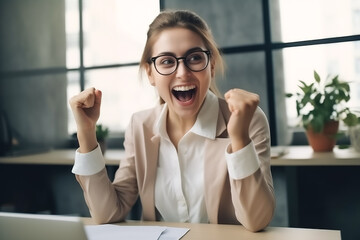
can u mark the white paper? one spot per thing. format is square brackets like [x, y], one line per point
[172, 233]
[116, 232]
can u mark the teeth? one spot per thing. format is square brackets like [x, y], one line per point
[184, 88]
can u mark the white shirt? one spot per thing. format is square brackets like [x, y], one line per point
[179, 187]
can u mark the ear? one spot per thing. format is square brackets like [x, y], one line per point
[149, 74]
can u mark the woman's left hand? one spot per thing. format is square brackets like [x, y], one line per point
[242, 105]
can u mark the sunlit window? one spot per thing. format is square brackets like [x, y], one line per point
[309, 20]
[114, 34]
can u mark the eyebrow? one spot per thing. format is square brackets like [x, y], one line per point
[187, 52]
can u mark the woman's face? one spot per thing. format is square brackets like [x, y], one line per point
[184, 90]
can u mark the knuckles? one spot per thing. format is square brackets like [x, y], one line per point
[239, 99]
[83, 99]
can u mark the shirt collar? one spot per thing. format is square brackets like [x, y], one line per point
[206, 121]
[160, 126]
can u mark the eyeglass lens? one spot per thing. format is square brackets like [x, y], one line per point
[195, 61]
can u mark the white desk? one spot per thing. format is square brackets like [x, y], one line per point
[60, 157]
[235, 232]
[291, 156]
[305, 156]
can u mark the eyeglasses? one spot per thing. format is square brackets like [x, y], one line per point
[195, 61]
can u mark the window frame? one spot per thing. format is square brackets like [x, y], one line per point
[115, 140]
[268, 47]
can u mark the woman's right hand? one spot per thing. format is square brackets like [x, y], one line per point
[86, 109]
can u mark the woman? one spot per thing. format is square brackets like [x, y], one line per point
[193, 158]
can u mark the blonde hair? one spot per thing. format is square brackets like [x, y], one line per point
[188, 20]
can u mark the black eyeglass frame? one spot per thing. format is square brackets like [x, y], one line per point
[207, 52]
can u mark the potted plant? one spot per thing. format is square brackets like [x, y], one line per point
[353, 123]
[320, 106]
[101, 135]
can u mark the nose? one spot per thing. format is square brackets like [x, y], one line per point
[182, 69]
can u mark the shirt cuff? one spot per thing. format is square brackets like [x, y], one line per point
[242, 163]
[88, 163]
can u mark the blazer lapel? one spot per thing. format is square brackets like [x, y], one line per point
[149, 177]
[215, 173]
[215, 169]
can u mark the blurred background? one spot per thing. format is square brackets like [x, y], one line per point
[50, 50]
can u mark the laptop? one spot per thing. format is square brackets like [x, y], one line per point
[21, 226]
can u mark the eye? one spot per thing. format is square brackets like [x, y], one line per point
[165, 61]
[195, 57]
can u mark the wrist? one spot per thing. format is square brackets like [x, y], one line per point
[237, 144]
[87, 141]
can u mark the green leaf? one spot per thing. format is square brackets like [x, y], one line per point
[351, 119]
[298, 107]
[335, 80]
[318, 103]
[317, 123]
[344, 146]
[316, 76]
[317, 98]
[101, 132]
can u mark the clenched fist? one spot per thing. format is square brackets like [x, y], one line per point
[242, 105]
[86, 109]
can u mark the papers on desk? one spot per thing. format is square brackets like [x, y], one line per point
[278, 151]
[115, 232]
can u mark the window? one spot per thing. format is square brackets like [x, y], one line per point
[287, 40]
[326, 37]
[268, 45]
[104, 46]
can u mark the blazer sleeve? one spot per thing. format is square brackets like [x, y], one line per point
[111, 201]
[253, 196]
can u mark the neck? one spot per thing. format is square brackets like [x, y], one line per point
[177, 127]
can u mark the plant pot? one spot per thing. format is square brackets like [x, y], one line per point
[354, 133]
[323, 141]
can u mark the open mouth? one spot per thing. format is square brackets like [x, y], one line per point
[184, 93]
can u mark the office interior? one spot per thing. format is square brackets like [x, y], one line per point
[34, 94]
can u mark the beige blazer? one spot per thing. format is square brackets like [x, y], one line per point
[248, 201]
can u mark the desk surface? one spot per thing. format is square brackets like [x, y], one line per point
[59, 157]
[305, 156]
[281, 156]
[230, 232]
